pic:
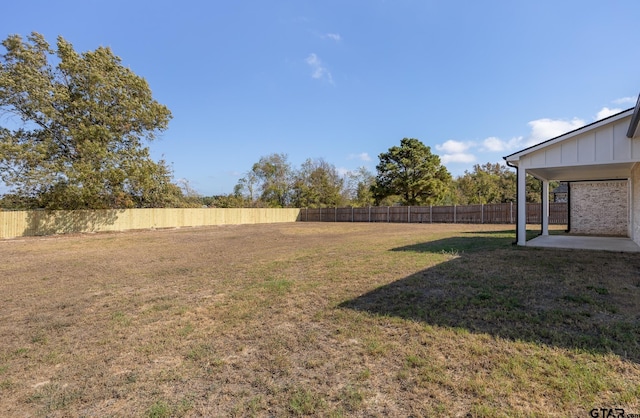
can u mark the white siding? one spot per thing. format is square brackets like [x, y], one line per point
[570, 152]
[605, 145]
[587, 148]
[621, 144]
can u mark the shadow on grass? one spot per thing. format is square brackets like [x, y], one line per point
[585, 300]
[463, 243]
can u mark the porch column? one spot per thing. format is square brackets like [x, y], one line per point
[545, 207]
[522, 205]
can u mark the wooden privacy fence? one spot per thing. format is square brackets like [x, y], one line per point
[40, 222]
[501, 213]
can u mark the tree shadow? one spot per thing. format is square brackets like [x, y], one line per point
[575, 299]
[484, 240]
[44, 222]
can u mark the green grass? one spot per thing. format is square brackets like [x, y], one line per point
[305, 402]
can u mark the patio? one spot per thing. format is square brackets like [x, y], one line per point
[579, 242]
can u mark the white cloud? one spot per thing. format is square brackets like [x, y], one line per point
[454, 152]
[363, 156]
[544, 129]
[461, 157]
[605, 112]
[318, 70]
[334, 36]
[495, 144]
[541, 130]
[454, 147]
[625, 100]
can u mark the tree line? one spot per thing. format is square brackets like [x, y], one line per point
[73, 134]
[408, 174]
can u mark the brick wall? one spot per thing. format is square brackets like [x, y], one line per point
[600, 208]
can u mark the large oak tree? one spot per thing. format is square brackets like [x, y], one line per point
[411, 172]
[73, 129]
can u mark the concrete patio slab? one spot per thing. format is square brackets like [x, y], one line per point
[616, 244]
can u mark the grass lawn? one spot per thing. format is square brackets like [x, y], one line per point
[316, 319]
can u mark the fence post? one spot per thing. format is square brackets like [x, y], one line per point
[409, 214]
[369, 213]
[388, 210]
[430, 214]
[320, 214]
[335, 216]
[454, 214]
[511, 213]
[351, 213]
[481, 213]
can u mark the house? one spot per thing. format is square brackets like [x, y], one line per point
[601, 162]
[561, 193]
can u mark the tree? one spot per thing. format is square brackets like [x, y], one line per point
[487, 183]
[412, 172]
[495, 183]
[231, 200]
[246, 188]
[75, 131]
[317, 184]
[273, 176]
[359, 184]
[534, 189]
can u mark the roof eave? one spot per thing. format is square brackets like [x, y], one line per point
[633, 131]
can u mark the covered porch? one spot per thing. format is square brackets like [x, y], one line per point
[602, 158]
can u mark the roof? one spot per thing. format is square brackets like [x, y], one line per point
[562, 188]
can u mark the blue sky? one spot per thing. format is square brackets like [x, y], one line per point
[345, 80]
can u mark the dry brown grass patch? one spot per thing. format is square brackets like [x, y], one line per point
[315, 319]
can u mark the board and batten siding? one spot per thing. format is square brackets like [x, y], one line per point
[600, 208]
[607, 144]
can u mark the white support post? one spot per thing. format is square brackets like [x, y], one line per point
[545, 207]
[522, 205]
